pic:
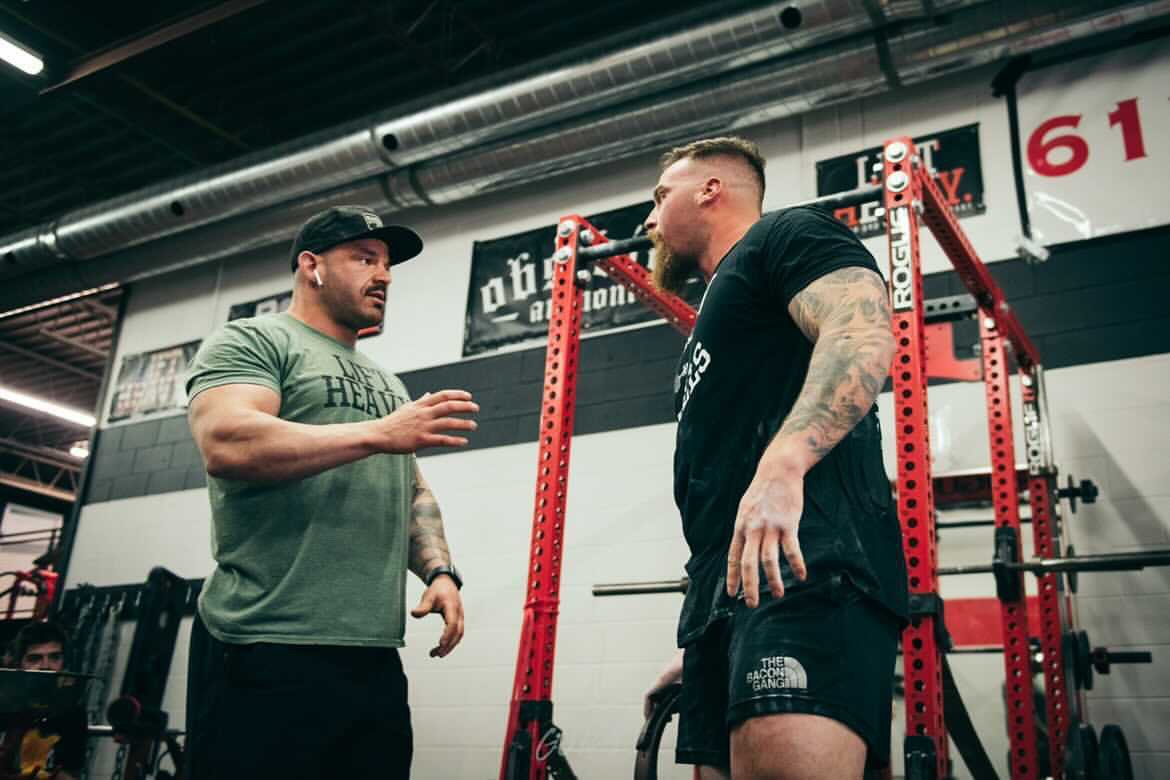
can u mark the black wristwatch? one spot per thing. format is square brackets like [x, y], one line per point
[450, 571]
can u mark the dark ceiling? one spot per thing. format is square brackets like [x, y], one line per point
[135, 93]
[263, 74]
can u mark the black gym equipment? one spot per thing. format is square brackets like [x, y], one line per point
[1080, 760]
[663, 706]
[137, 721]
[1080, 563]
[1113, 755]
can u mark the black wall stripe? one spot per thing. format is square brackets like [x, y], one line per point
[1093, 301]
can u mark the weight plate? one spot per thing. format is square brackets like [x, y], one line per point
[1082, 760]
[1084, 661]
[1113, 755]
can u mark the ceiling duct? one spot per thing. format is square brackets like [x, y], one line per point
[992, 32]
[361, 150]
[977, 34]
[747, 97]
[740, 94]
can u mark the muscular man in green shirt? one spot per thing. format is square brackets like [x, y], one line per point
[318, 509]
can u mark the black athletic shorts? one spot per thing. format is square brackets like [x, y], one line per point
[823, 649]
[295, 711]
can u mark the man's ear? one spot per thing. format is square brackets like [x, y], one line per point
[308, 262]
[711, 190]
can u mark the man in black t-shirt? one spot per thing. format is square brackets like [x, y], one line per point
[787, 661]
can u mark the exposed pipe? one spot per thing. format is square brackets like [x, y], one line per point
[361, 150]
[975, 33]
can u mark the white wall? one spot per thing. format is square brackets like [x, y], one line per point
[17, 555]
[1110, 420]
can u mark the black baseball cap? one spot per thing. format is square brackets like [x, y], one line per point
[349, 223]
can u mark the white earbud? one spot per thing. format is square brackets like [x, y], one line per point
[317, 276]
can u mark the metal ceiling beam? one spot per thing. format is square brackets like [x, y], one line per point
[32, 486]
[73, 343]
[143, 89]
[83, 326]
[44, 455]
[97, 307]
[28, 353]
[99, 61]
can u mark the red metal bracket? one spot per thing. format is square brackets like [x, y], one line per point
[979, 281]
[975, 622]
[941, 362]
[625, 270]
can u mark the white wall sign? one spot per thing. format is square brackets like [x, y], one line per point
[1095, 141]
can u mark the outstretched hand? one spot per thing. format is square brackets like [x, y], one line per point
[427, 422]
[443, 597]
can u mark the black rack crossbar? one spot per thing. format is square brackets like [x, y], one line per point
[1078, 563]
[622, 246]
[844, 199]
[642, 588]
[625, 246]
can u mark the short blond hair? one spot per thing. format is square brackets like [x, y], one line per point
[724, 146]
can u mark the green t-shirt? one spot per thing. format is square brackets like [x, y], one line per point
[320, 560]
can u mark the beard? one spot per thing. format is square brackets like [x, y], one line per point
[355, 313]
[671, 271]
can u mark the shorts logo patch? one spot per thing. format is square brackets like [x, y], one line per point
[776, 673]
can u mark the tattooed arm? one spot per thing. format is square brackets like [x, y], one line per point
[428, 543]
[846, 314]
[428, 549]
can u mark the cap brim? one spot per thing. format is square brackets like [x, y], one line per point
[402, 242]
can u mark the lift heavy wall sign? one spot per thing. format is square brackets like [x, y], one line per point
[951, 156]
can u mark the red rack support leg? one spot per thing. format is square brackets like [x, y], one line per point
[1046, 541]
[926, 741]
[530, 740]
[1021, 722]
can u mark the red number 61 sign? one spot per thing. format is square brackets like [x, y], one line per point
[1096, 141]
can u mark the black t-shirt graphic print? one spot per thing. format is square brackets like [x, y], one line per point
[739, 375]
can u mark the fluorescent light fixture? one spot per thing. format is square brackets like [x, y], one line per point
[75, 416]
[19, 57]
[60, 299]
[80, 450]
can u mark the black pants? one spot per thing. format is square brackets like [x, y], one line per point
[823, 649]
[295, 711]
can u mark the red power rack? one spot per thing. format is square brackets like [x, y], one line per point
[532, 742]
[912, 198]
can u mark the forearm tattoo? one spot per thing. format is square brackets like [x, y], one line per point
[846, 314]
[428, 544]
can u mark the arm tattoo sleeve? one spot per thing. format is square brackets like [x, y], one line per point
[428, 544]
[846, 314]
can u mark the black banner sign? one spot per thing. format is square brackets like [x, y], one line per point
[151, 382]
[951, 155]
[511, 279]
